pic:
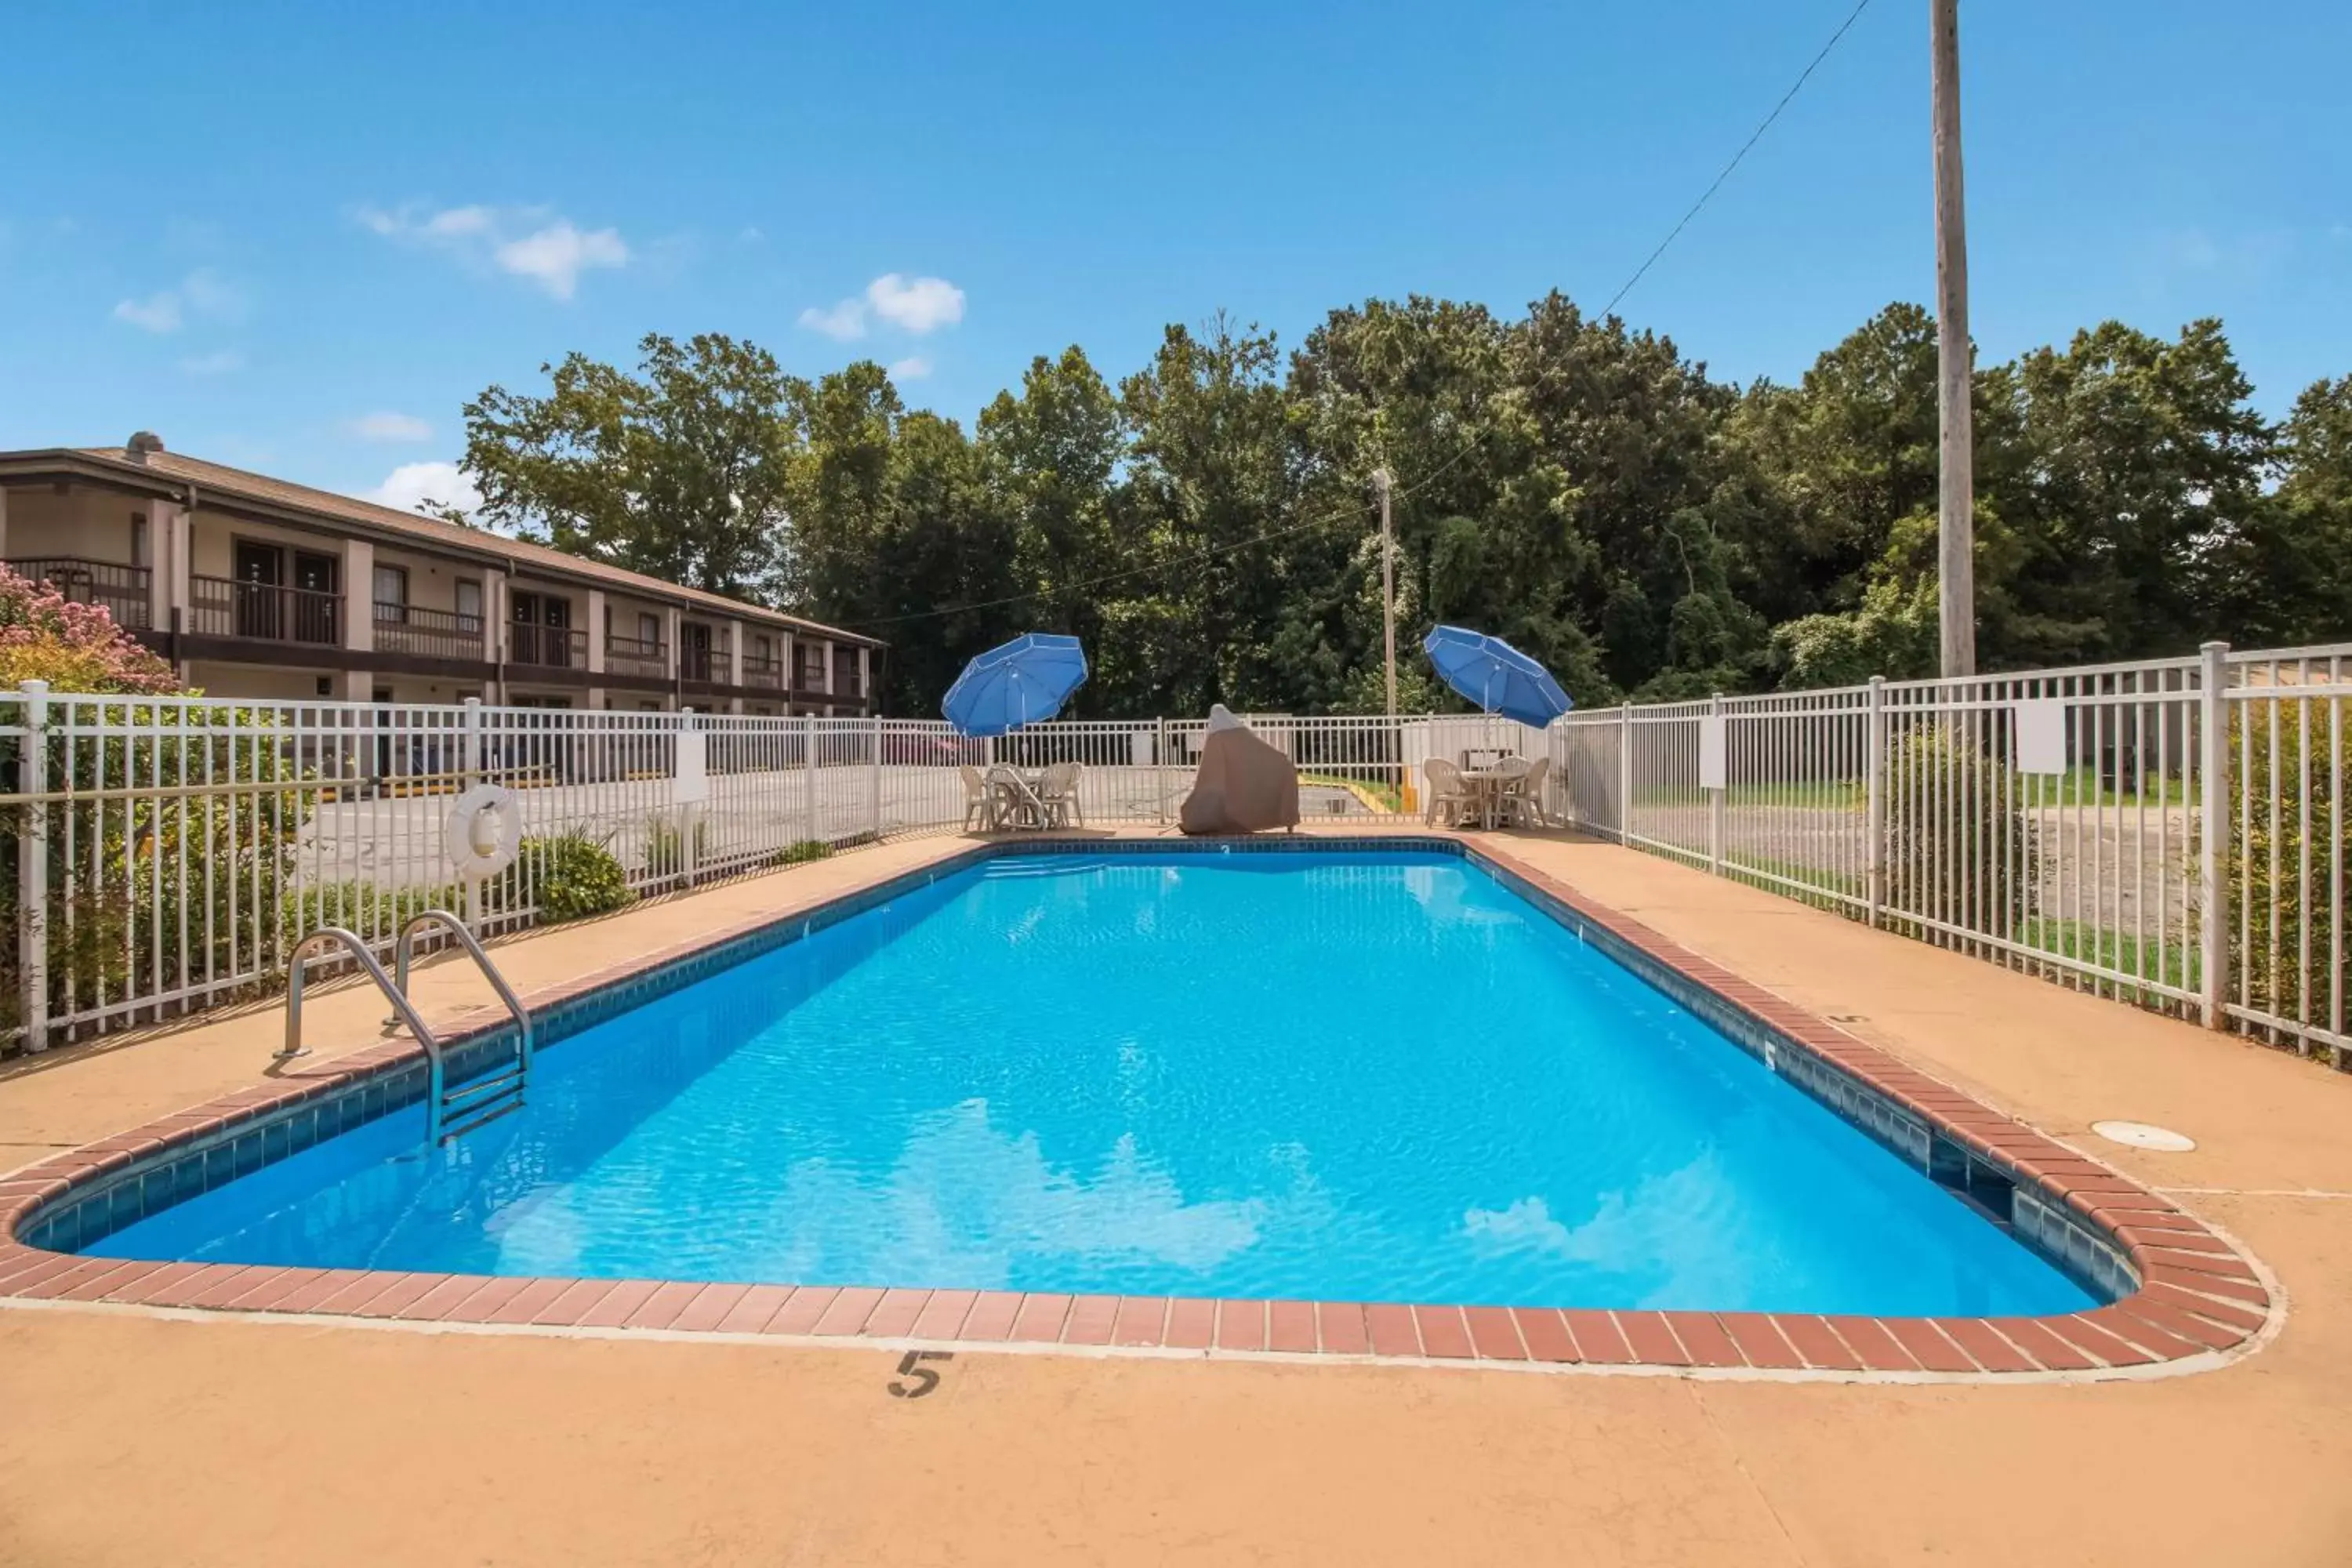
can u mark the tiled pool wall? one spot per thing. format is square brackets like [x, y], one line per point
[2058, 1238]
[2093, 1224]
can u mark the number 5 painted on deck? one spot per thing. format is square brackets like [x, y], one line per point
[910, 1365]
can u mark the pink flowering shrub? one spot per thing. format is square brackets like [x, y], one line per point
[74, 648]
[154, 891]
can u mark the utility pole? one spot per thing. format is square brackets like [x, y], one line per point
[1388, 588]
[1955, 483]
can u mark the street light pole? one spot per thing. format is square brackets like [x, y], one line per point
[1956, 482]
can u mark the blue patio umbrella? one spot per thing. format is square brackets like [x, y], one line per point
[1496, 676]
[1024, 681]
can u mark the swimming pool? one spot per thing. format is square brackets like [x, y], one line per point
[1340, 1074]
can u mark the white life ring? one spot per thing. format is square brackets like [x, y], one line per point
[483, 831]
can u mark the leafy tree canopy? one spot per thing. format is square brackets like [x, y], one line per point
[1206, 524]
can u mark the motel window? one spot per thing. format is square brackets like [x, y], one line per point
[649, 628]
[138, 540]
[391, 593]
[469, 604]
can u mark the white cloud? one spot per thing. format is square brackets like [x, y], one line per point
[203, 293]
[843, 321]
[554, 256]
[158, 313]
[918, 304]
[226, 362]
[914, 367]
[386, 425]
[408, 487]
[528, 242]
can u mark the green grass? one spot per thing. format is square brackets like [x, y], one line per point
[2081, 787]
[1815, 795]
[1812, 878]
[1839, 794]
[2178, 963]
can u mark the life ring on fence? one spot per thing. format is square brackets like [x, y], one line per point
[483, 831]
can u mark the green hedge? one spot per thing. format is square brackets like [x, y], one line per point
[2272, 914]
[1957, 842]
[575, 875]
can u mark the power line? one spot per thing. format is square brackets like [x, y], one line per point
[1212, 553]
[1754, 137]
[1167, 564]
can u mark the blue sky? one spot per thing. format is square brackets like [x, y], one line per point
[297, 237]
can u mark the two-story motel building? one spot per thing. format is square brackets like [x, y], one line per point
[253, 587]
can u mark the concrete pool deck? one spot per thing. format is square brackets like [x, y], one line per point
[133, 1437]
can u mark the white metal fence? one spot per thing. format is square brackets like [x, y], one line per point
[166, 852]
[2170, 833]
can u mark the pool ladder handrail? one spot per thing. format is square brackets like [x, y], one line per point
[490, 1098]
[484, 1100]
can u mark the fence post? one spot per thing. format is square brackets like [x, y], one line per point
[874, 776]
[1720, 797]
[690, 813]
[33, 867]
[2213, 831]
[1625, 773]
[808, 774]
[470, 764]
[1874, 818]
[1160, 768]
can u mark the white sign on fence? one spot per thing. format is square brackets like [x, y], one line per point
[2042, 736]
[691, 784]
[1713, 752]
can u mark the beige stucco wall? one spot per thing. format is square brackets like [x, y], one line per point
[216, 678]
[92, 523]
[213, 554]
[576, 598]
[433, 580]
[624, 612]
[260, 683]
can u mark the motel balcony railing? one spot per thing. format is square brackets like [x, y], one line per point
[637, 655]
[432, 633]
[264, 612]
[714, 663]
[547, 648]
[124, 590]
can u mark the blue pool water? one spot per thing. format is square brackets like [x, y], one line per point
[1342, 1075]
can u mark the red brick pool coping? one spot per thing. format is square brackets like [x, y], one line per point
[2197, 1296]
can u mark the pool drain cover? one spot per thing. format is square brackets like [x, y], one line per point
[2140, 1135]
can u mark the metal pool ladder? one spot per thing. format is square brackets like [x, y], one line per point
[449, 1112]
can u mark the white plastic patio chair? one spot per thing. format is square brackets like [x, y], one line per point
[1523, 795]
[1449, 793]
[979, 800]
[1057, 794]
[1016, 804]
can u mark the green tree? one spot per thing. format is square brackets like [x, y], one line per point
[845, 425]
[1051, 455]
[1209, 467]
[896, 530]
[2139, 467]
[678, 471]
[2287, 576]
[1822, 471]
